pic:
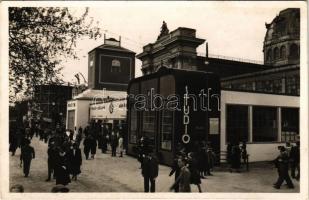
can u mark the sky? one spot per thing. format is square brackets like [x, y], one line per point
[233, 29]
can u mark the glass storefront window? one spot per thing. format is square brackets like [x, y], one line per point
[166, 130]
[264, 124]
[149, 126]
[133, 126]
[237, 123]
[289, 124]
[133, 137]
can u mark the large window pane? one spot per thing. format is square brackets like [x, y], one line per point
[167, 87]
[166, 130]
[133, 125]
[149, 126]
[289, 124]
[133, 114]
[264, 124]
[237, 123]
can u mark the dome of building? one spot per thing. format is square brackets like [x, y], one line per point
[281, 43]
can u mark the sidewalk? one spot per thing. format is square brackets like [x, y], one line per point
[114, 174]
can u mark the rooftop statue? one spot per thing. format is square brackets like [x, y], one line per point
[164, 30]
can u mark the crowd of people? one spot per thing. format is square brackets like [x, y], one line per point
[64, 156]
[188, 166]
[237, 156]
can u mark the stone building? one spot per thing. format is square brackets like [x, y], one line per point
[281, 43]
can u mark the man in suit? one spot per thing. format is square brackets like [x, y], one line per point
[52, 154]
[114, 143]
[27, 154]
[150, 171]
[282, 162]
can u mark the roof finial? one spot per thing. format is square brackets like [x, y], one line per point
[164, 30]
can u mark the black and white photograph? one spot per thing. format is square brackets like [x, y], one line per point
[133, 97]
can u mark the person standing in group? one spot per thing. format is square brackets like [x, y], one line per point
[120, 145]
[93, 146]
[75, 161]
[79, 136]
[211, 159]
[282, 163]
[61, 168]
[27, 154]
[229, 153]
[295, 160]
[150, 171]
[202, 160]
[244, 155]
[114, 143]
[87, 146]
[52, 157]
[235, 158]
[13, 141]
[183, 179]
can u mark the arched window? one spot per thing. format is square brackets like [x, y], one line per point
[294, 51]
[116, 67]
[268, 55]
[283, 52]
[276, 53]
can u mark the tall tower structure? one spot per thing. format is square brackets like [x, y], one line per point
[281, 42]
[110, 66]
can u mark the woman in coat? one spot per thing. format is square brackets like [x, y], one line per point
[75, 161]
[61, 168]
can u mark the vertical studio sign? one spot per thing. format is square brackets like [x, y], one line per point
[186, 119]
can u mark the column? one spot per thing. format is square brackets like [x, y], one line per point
[279, 123]
[250, 121]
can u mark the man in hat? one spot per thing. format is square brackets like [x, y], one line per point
[27, 154]
[150, 171]
[282, 162]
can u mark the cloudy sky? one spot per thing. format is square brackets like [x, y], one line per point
[234, 29]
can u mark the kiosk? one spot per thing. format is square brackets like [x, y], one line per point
[172, 107]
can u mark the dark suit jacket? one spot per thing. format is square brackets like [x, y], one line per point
[150, 167]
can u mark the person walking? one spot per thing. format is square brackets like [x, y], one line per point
[87, 146]
[150, 171]
[114, 143]
[27, 154]
[13, 142]
[75, 161]
[195, 176]
[175, 169]
[183, 179]
[282, 163]
[120, 145]
[295, 160]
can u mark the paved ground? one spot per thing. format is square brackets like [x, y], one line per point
[114, 174]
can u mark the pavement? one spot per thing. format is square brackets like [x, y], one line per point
[115, 174]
